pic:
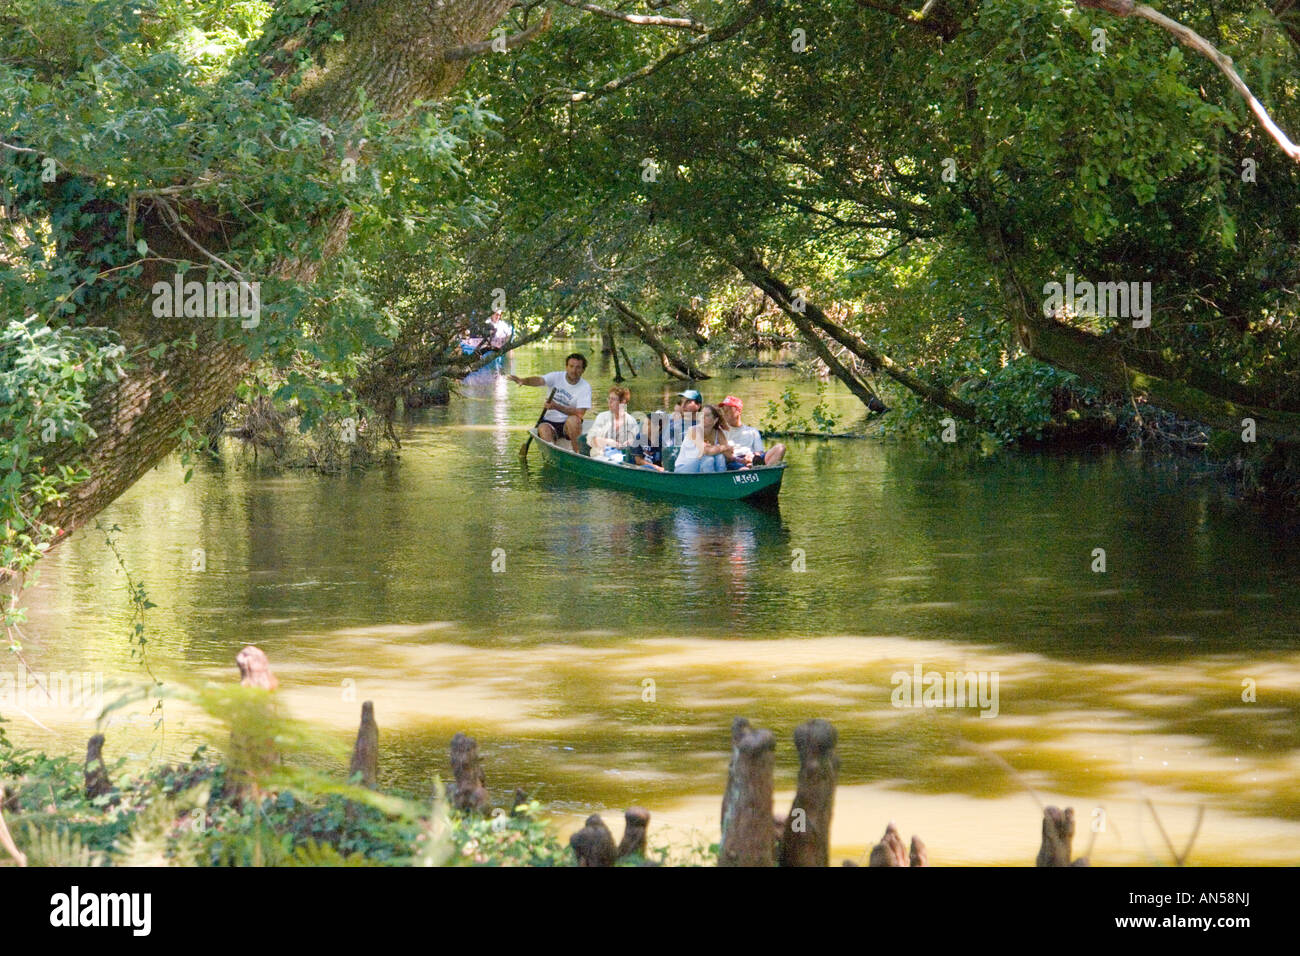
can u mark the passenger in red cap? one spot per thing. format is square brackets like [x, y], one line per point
[747, 440]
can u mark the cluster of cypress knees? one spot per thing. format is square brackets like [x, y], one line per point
[751, 834]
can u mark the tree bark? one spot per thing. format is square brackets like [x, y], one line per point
[753, 269]
[391, 49]
[96, 773]
[677, 366]
[748, 837]
[807, 837]
[1058, 834]
[593, 845]
[855, 385]
[636, 824]
[890, 850]
[365, 753]
[469, 791]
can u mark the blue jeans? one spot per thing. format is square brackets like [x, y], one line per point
[707, 463]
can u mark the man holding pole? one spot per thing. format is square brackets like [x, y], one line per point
[571, 401]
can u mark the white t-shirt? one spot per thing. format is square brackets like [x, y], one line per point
[746, 436]
[627, 432]
[574, 396]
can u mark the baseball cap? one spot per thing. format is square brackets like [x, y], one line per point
[734, 402]
[693, 395]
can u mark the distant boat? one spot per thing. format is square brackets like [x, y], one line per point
[762, 483]
[501, 332]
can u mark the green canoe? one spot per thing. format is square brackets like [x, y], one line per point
[752, 484]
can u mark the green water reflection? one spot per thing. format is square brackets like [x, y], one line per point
[1113, 687]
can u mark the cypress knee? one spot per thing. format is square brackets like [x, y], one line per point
[97, 782]
[748, 838]
[890, 850]
[365, 753]
[739, 727]
[917, 855]
[469, 791]
[253, 752]
[1058, 835]
[807, 833]
[636, 822]
[593, 845]
[255, 669]
[520, 799]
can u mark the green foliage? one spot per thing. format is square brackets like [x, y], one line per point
[783, 415]
[46, 376]
[256, 807]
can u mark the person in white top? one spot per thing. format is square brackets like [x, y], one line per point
[705, 447]
[746, 439]
[571, 401]
[615, 429]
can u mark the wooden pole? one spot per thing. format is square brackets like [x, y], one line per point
[255, 669]
[1058, 835]
[917, 856]
[739, 727]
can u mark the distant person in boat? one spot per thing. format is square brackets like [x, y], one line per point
[572, 399]
[746, 439]
[683, 416]
[614, 429]
[705, 447]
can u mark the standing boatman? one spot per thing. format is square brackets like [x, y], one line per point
[571, 401]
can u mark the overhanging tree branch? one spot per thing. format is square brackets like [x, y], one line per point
[679, 23]
[675, 365]
[753, 269]
[470, 50]
[1189, 37]
[724, 32]
[921, 18]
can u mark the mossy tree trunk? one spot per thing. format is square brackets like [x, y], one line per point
[399, 52]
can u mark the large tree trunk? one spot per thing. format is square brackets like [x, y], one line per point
[399, 52]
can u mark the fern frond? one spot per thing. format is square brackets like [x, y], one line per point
[57, 846]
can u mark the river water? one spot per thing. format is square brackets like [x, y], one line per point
[601, 662]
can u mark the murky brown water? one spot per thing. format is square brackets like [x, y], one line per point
[1113, 688]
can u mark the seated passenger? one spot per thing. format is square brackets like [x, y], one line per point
[651, 452]
[705, 447]
[684, 415]
[615, 429]
[746, 439]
